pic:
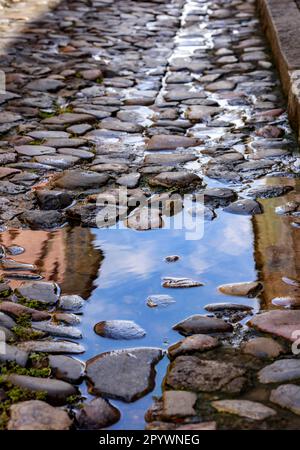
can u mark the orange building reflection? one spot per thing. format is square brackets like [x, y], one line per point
[277, 249]
[67, 256]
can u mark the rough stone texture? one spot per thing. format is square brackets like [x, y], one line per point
[287, 396]
[283, 324]
[263, 348]
[97, 414]
[178, 404]
[37, 415]
[244, 408]
[123, 374]
[195, 374]
[280, 371]
[43, 291]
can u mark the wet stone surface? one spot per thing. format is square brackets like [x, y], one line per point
[158, 98]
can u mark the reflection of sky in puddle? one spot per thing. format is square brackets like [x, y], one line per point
[132, 269]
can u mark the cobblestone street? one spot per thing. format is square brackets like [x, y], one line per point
[160, 98]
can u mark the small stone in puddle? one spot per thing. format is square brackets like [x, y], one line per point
[42, 220]
[71, 302]
[191, 344]
[168, 142]
[51, 200]
[119, 329]
[287, 208]
[66, 368]
[97, 414]
[244, 207]
[178, 404]
[212, 307]
[37, 415]
[159, 300]
[57, 391]
[244, 408]
[262, 348]
[284, 324]
[286, 302]
[123, 374]
[198, 324]
[291, 281]
[172, 282]
[269, 191]
[43, 291]
[195, 374]
[15, 250]
[47, 346]
[280, 371]
[172, 258]
[248, 289]
[287, 396]
[175, 179]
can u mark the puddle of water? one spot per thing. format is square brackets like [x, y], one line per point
[116, 270]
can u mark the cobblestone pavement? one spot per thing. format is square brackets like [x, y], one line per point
[158, 97]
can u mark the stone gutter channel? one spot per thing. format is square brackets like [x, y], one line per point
[281, 23]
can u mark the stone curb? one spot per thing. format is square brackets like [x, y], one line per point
[281, 24]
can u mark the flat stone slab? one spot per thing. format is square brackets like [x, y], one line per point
[178, 404]
[79, 179]
[37, 415]
[172, 282]
[262, 348]
[66, 368]
[48, 346]
[198, 324]
[43, 291]
[280, 371]
[196, 374]
[119, 329]
[35, 150]
[16, 310]
[57, 391]
[67, 119]
[123, 374]
[175, 179]
[287, 396]
[191, 344]
[244, 408]
[12, 353]
[167, 142]
[284, 324]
